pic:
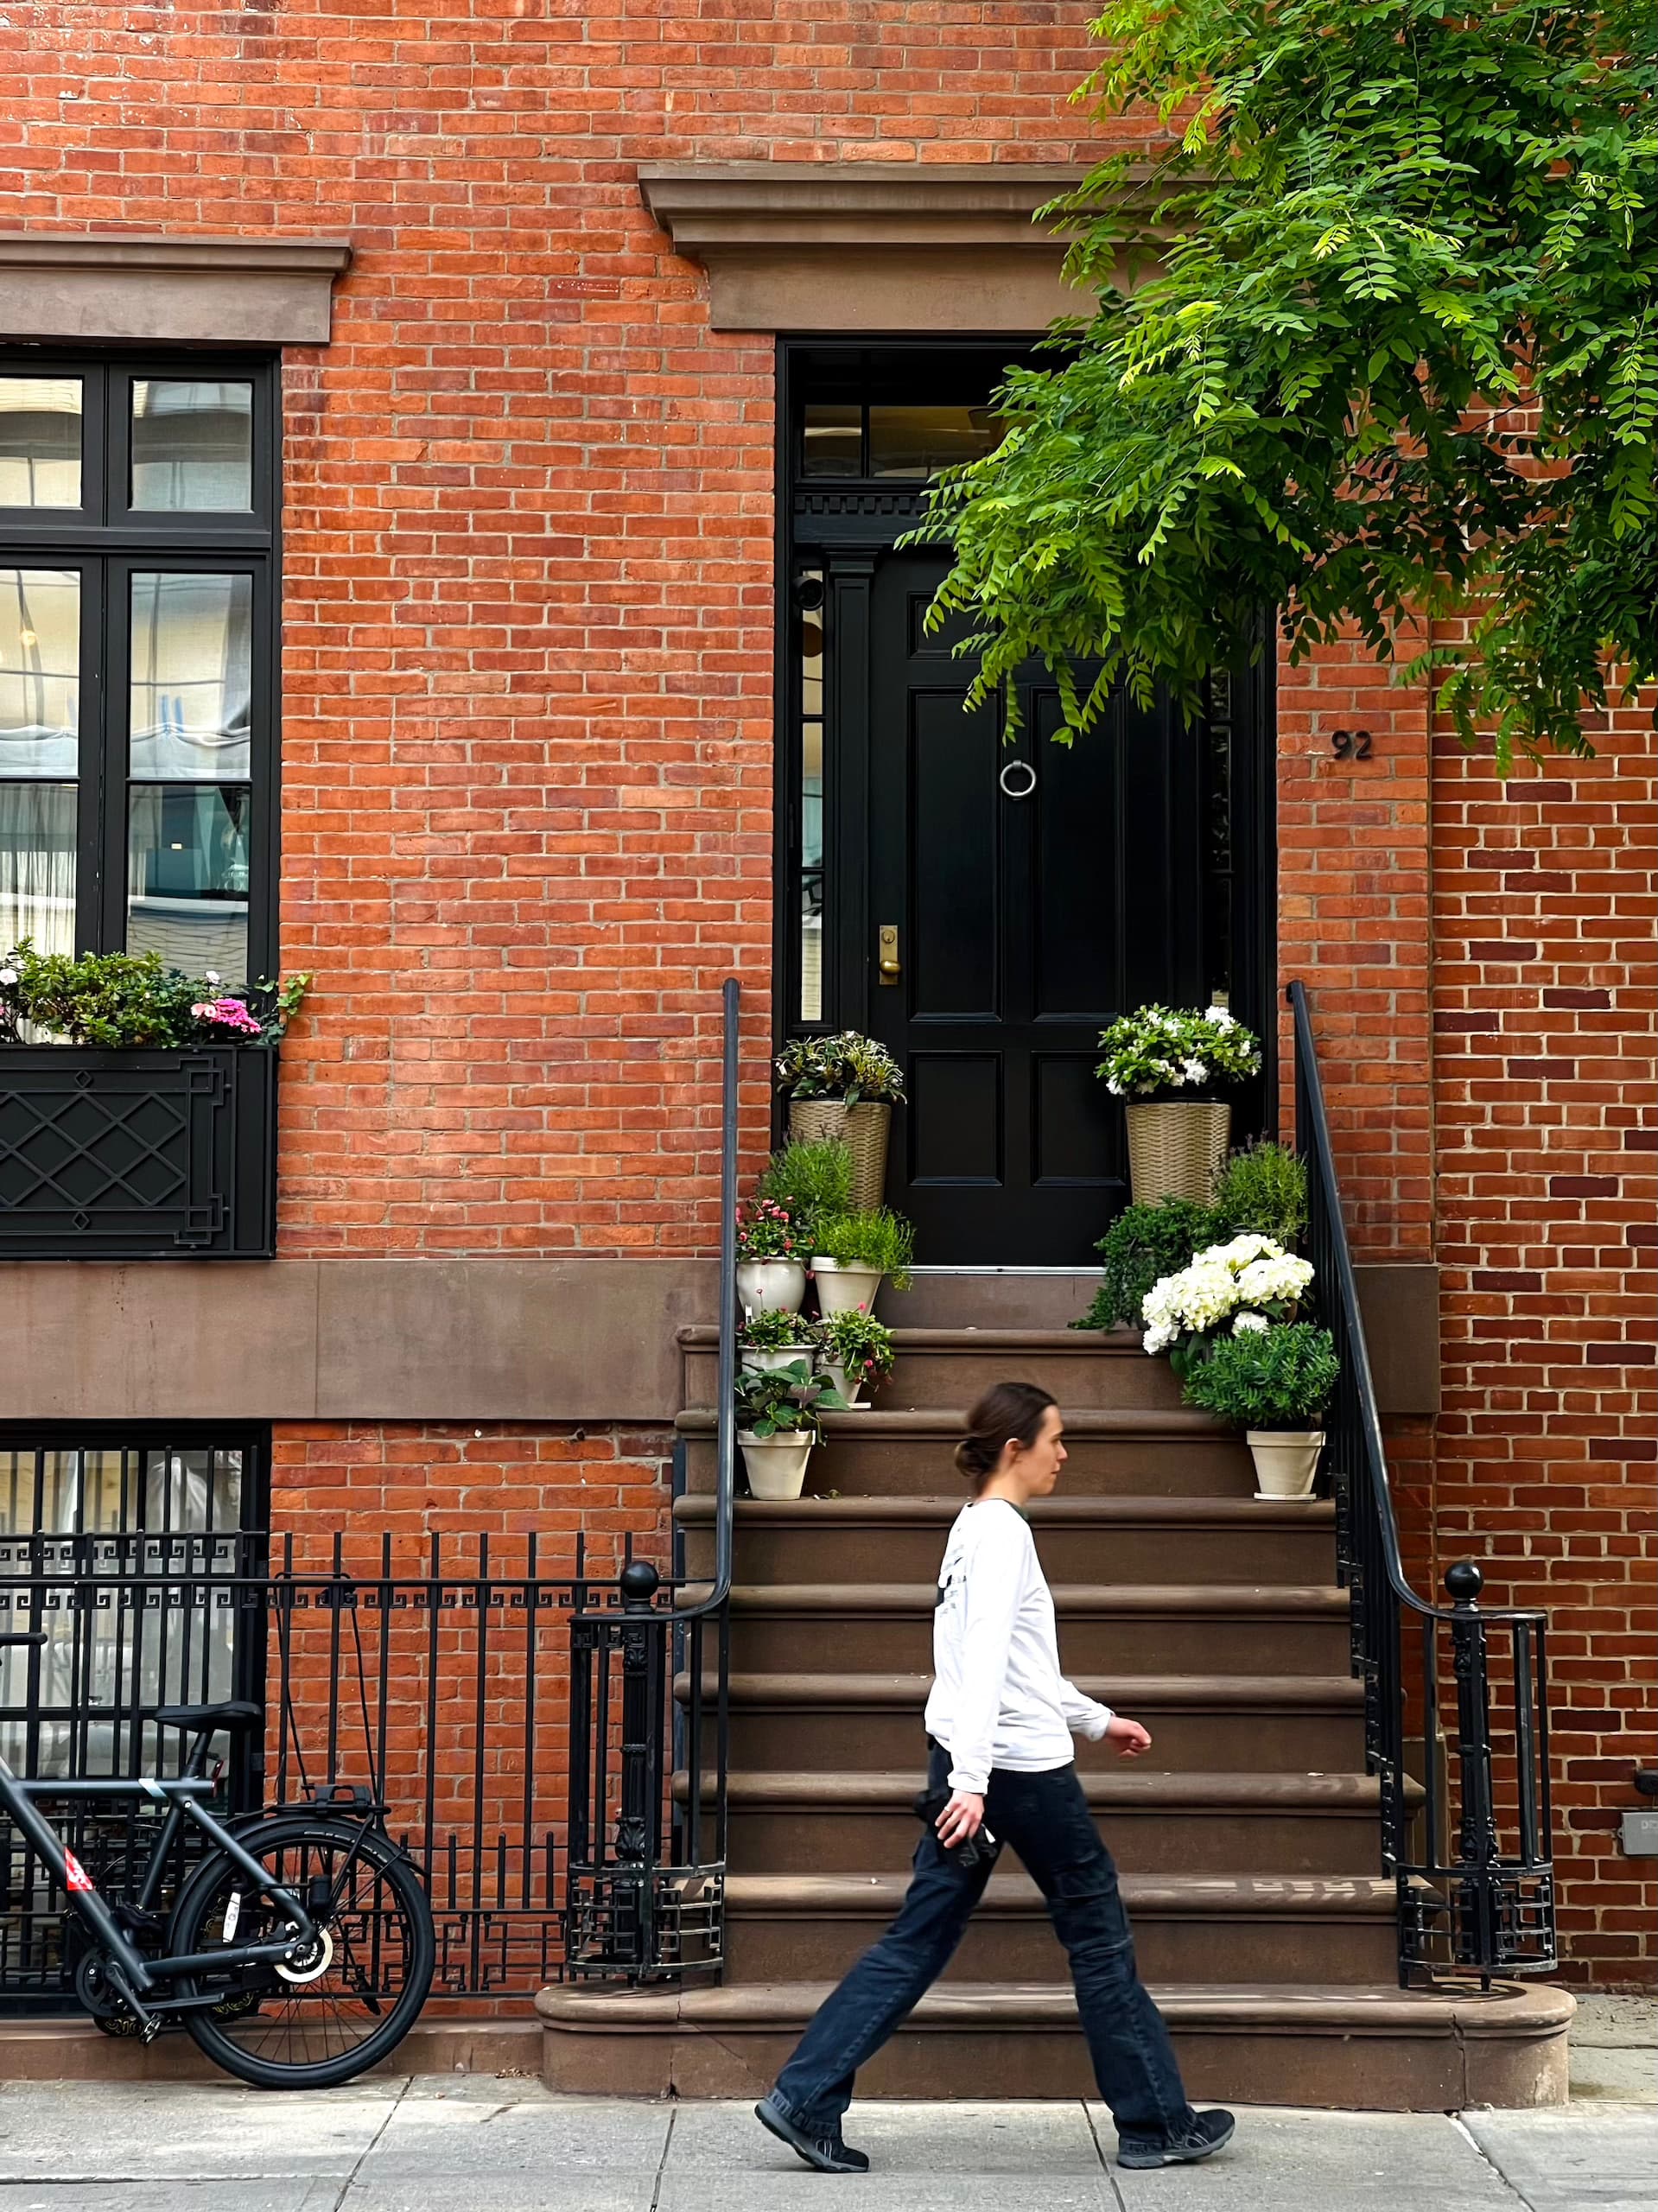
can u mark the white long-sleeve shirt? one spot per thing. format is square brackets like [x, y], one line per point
[998, 1696]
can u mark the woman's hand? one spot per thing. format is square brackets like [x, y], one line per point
[1130, 1739]
[962, 1817]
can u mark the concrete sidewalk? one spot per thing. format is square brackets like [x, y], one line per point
[484, 2144]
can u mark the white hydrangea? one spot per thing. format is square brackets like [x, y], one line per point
[1250, 1324]
[1225, 1282]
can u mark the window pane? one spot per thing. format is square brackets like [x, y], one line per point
[37, 866]
[833, 441]
[917, 440]
[192, 673]
[808, 589]
[39, 441]
[40, 673]
[187, 877]
[192, 447]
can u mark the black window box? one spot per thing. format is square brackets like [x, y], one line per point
[137, 1155]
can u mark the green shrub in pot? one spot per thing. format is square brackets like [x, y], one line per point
[856, 1351]
[1274, 1382]
[1263, 1188]
[877, 1239]
[810, 1179]
[1143, 1245]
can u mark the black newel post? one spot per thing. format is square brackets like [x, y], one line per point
[1477, 1837]
[636, 1825]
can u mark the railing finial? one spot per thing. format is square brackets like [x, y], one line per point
[1464, 1582]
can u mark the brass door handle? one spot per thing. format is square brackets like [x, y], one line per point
[891, 967]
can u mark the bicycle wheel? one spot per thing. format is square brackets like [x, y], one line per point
[328, 2018]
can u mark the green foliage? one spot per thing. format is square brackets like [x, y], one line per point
[860, 1344]
[847, 1066]
[1143, 1245]
[123, 1000]
[1159, 1050]
[791, 1403]
[878, 1238]
[776, 1332]
[1277, 1378]
[1400, 360]
[1263, 1188]
[809, 1180]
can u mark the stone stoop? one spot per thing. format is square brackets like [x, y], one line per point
[1247, 1838]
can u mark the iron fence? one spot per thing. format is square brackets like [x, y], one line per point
[1456, 1698]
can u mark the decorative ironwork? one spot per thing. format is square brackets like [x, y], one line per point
[137, 1155]
[1467, 1904]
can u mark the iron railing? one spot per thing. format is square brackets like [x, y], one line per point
[649, 1721]
[1466, 1815]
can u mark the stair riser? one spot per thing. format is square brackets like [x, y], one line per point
[1389, 2070]
[949, 1382]
[1022, 1947]
[900, 1467]
[771, 1643]
[798, 1839]
[1302, 1557]
[854, 1741]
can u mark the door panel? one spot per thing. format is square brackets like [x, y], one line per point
[1026, 924]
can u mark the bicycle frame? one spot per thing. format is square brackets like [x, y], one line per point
[182, 1799]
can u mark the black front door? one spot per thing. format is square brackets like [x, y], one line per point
[1020, 897]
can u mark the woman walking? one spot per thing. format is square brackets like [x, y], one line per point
[999, 1724]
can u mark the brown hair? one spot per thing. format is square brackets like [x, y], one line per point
[1007, 1412]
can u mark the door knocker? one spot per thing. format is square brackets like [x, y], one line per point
[1017, 768]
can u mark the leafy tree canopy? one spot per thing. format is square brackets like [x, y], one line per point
[1396, 355]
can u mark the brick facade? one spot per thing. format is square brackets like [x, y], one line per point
[527, 556]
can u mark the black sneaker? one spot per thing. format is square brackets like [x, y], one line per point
[827, 2153]
[1207, 2132]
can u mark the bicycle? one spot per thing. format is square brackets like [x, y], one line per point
[299, 1929]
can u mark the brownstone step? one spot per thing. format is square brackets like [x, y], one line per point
[1279, 1723]
[1248, 1927]
[1363, 2049]
[808, 1822]
[1193, 1628]
[1138, 1453]
[946, 1369]
[1079, 1539]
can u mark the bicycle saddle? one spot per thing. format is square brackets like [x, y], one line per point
[234, 1712]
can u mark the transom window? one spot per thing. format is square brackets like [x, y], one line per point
[138, 647]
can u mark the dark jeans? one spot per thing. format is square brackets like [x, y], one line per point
[1044, 1817]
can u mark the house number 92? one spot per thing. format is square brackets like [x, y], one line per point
[1351, 744]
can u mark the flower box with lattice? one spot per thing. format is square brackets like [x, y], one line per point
[137, 1155]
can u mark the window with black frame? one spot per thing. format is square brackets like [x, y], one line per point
[138, 510]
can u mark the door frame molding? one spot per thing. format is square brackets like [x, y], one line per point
[854, 530]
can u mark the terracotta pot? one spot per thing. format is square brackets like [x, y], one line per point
[863, 1129]
[845, 1289]
[770, 1285]
[1287, 1459]
[776, 1465]
[1177, 1147]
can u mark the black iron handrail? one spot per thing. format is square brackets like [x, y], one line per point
[1476, 1908]
[648, 1738]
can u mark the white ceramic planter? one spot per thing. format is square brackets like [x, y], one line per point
[845, 1290]
[1287, 1459]
[850, 1391]
[770, 1285]
[776, 1465]
[753, 1360]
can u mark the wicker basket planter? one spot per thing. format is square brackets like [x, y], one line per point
[1177, 1147]
[862, 1128]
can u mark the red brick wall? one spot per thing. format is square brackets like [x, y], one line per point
[1547, 1130]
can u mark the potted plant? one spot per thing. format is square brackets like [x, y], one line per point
[809, 1178]
[851, 1254]
[1165, 1064]
[779, 1418]
[1143, 1245]
[1263, 1188]
[1274, 1383]
[770, 1342]
[855, 1351]
[1245, 1283]
[770, 1274]
[844, 1086]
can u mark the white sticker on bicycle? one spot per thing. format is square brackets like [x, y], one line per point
[233, 1914]
[75, 1876]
